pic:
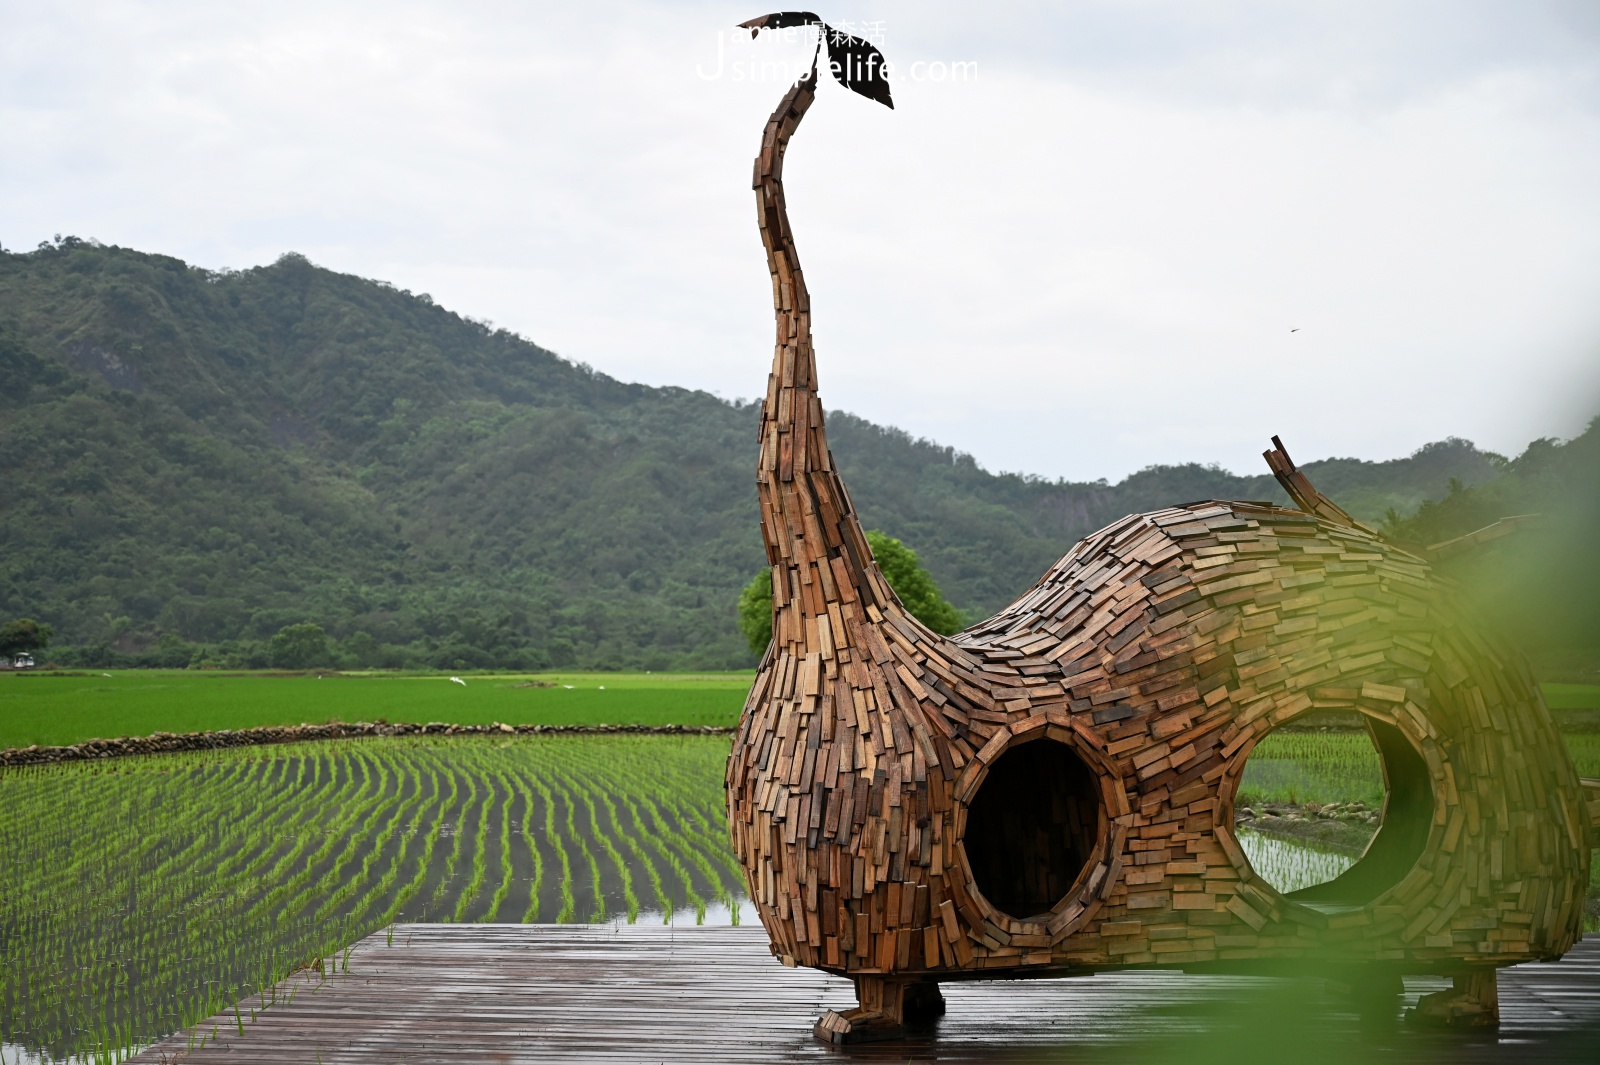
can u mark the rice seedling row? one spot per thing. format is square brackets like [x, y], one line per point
[1322, 767]
[1291, 865]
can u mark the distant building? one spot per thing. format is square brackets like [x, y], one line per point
[23, 661]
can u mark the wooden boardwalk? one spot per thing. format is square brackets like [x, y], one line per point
[581, 993]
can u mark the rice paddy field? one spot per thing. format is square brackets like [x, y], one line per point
[62, 709]
[67, 708]
[1572, 696]
[1320, 767]
[1298, 768]
[1329, 767]
[143, 894]
[140, 894]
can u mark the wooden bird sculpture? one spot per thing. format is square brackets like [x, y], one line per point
[1052, 790]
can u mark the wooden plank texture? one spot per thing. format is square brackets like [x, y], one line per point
[909, 806]
[578, 993]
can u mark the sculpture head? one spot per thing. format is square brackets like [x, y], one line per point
[856, 63]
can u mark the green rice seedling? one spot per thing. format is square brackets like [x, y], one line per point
[409, 798]
[469, 803]
[480, 864]
[538, 788]
[569, 804]
[244, 862]
[536, 856]
[638, 850]
[1585, 750]
[705, 847]
[68, 709]
[338, 886]
[430, 838]
[298, 888]
[547, 795]
[630, 899]
[503, 889]
[1322, 767]
[262, 848]
[660, 835]
[1290, 865]
[379, 899]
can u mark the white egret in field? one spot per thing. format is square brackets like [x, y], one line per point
[459, 681]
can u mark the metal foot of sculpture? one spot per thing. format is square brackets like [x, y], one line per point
[886, 1009]
[1472, 1001]
[1052, 790]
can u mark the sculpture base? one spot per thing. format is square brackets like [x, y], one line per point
[886, 1009]
[1472, 1002]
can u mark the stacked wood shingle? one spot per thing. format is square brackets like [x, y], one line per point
[1074, 758]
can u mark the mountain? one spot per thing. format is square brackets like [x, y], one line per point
[199, 458]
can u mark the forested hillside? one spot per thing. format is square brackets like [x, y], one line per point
[1542, 582]
[197, 459]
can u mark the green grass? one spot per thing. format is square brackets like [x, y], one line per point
[1572, 696]
[64, 709]
[140, 895]
[1326, 767]
[1323, 767]
[59, 710]
[1585, 750]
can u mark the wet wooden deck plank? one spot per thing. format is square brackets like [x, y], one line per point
[573, 993]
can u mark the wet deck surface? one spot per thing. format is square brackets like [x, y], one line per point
[575, 993]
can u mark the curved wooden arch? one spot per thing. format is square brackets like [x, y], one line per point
[1425, 749]
[1079, 903]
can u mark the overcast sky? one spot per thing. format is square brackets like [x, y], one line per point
[1084, 254]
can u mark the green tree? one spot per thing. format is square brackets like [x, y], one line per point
[299, 646]
[362, 648]
[901, 568]
[23, 635]
[914, 584]
[755, 612]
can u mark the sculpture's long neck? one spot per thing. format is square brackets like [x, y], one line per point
[815, 544]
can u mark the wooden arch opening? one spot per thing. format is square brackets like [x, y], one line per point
[1403, 814]
[1032, 827]
[1407, 818]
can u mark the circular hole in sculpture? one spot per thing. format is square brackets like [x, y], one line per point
[1337, 812]
[1031, 827]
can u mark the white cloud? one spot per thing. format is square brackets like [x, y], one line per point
[1087, 260]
